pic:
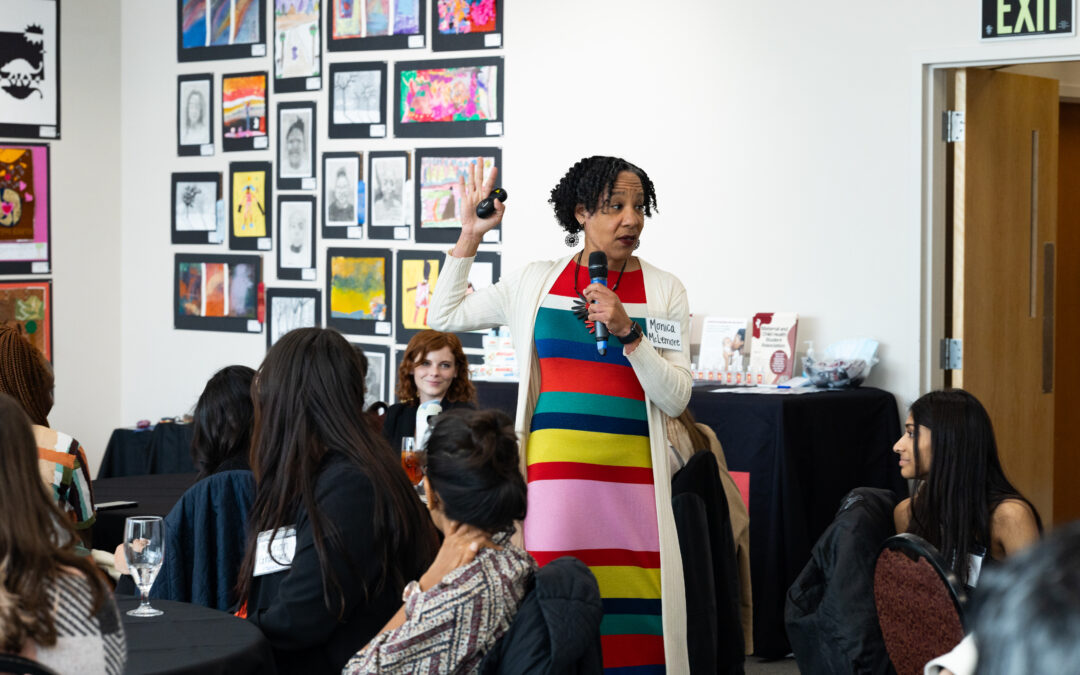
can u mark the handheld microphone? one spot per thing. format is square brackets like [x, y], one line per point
[598, 275]
[486, 207]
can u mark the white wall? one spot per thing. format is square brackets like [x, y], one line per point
[784, 139]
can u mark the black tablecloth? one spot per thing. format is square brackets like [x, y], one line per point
[193, 639]
[156, 495]
[499, 395]
[132, 452]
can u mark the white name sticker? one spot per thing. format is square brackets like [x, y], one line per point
[313, 83]
[664, 334]
[382, 327]
[308, 274]
[258, 50]
[354, 232]
[254, 326]
[493, 40]
[401, 232]
[206, 149]
[261, 142]
[264, 244]
[47, 132]
[307, 183]
[278, 556]
[416, 42]
[491, 237]
[41, 267]
[493, 128]
[377, 130]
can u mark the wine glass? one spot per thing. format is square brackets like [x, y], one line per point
[412, 460]
[144, 548]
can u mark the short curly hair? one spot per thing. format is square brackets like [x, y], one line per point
[590, 182]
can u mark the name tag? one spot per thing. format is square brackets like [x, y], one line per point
[664, 334]
[270, 559]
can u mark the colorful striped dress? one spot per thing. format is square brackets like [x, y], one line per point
[590, 472]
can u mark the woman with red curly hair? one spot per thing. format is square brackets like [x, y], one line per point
[433, 377]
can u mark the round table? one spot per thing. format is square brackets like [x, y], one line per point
[155, 493]
[192, 639]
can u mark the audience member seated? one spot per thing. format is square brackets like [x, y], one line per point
[963, 504]
[27, 376]
[221, 424]
[465, 601]
[433, 377]
[55, 607]
[316, 466]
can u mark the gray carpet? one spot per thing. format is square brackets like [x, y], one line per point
[756, 666]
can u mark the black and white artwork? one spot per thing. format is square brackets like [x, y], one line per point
[296, 237]
[195, 115]
[357, 100]
[195, 208]
[378, 373]
[387, 182]
[296, 146]
[30, 69]
[343, 194]
[291, 308]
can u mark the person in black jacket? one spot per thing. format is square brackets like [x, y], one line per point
[433, 377]
[327, 554]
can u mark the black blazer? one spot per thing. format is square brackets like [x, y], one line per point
[288, 606]
[401, 420]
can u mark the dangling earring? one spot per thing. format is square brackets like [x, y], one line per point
[637, 244]
[572, 239]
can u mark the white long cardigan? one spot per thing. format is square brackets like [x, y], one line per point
[664, 376]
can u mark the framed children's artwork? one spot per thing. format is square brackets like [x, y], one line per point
[453, 98]
[220, 29]
[359, 290]
[436, 201]
[291, 308]
[195, 115]
[466, 24]
[344, 201]
[245, 103]
[377, 381]
[484, 272]
[358, 100]
[25, 244]
[250, 206]
[27, 305]
[296, 145]
[417, 272]
[297, 40]
[355, 25]
[217, 292]
[195, 208]
[387, 174]
[296, 237]
[30, 69]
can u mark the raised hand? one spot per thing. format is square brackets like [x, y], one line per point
[471, 191]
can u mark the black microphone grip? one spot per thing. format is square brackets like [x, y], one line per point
[486, 207]
[598, 275]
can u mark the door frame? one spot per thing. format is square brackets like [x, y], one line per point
[929, 78]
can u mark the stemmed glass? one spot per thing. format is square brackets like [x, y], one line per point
[144, 547]
[412, 460]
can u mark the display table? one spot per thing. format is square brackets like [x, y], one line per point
[164, 449]
[192, 639]
[156, 495]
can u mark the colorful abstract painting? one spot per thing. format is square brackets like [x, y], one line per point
[296, 38]
[243, 290]
[358, 288]
[212, 23]
[243, 106]
[439, 185]
[467, 93]
[345, 21]
[28, 306]
[249, 203]
[24, 202]
[418, 279]
[191, 289]
[457, 17]
[216, 275]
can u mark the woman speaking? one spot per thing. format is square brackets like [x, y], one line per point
[599, 484]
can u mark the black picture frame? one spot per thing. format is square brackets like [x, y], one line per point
[273, 315]
[251, 243]
[385, 393]
[450, 129]
[343, 129]
[18, 48]
[361, 326]
[22, 323]
[402, 333]
[416, 40]
[249, 323]
[334, 227]
[311, 82]
[383, 229]
[205, 148]
[186, 235]
[251, 49]
[473, 40]
[284, 238]
[303, 110]
[24, 264]
[258, 141]
[475, 339]
[445, 235]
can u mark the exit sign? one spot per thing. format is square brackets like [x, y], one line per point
[1026, 18]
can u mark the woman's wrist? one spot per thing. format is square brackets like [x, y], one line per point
[466, 246]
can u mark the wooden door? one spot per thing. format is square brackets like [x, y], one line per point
[1004, 216]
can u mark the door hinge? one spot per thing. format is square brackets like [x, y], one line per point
[952, 126]
[952, 354]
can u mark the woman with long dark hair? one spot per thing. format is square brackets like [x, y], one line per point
[963, 504]
[327, 488]
[55, 607]
[221, 423]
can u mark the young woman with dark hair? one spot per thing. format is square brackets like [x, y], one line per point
[963, 504]
[433, 372]
[221, 434]
[326, 486]
[55, 607]
[465, 601]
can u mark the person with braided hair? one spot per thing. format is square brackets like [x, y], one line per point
[591, 420]
[27, 376]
